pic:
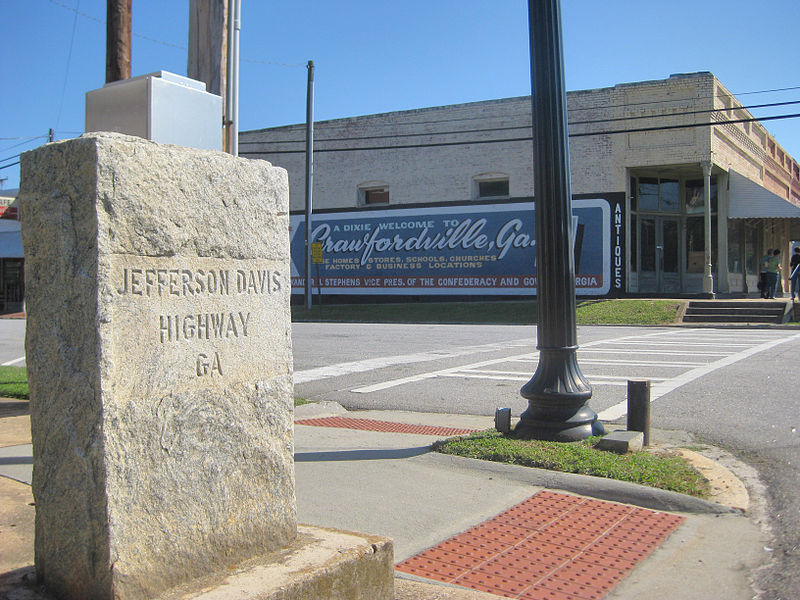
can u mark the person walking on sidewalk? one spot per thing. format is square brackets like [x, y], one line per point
[762, 273]
[795, 274]
[773, 267]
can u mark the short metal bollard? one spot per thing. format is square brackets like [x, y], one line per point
[639, 407]
[502, 420]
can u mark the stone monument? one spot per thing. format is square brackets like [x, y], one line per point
[160, 370]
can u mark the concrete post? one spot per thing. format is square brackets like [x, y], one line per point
[639, 407]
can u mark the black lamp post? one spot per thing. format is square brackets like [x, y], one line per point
[558, 392]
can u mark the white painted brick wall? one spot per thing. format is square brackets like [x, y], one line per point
[445, 173]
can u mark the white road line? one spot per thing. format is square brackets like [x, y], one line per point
[445, 372]
[680, 343]
[489, 377]
[663, 388]
[13, 362]
[528, 375]
[495, 375]
[370, 364]
[422, 376]
[640, 363]
[651, 352]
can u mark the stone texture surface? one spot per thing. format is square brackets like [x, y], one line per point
[159, 362]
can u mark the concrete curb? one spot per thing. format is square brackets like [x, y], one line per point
[316, 410]
[594, 487]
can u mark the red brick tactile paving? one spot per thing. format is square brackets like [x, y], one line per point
[384, 426]
[551, 546]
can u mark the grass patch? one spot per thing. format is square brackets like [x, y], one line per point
[14, 382]
[301, 401]
[515, 312]
[627, 312]
[664, 471]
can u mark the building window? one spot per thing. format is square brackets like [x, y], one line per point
[490, 185]
[651, 194]
[373, 194]
[376, 196]
[695, 200]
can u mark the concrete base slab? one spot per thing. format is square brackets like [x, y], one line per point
[321, 563]
[622, 442]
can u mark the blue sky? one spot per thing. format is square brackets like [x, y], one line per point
[374, 55]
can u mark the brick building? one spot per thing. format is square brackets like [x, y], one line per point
[439, 200]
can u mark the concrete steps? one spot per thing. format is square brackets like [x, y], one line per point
[732, 311]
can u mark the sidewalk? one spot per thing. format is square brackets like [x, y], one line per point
[482, 525]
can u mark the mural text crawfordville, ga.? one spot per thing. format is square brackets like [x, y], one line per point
[453, 250]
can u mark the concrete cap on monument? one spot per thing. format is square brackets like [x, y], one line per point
[159, 360]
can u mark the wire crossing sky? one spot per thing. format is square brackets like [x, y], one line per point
[375, 56]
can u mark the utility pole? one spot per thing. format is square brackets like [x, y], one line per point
[118, 40]
[208, 51]
[232, 86]
[309, 177]
[51, 135]
[207, 44]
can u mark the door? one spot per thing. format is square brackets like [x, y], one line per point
[659, 254]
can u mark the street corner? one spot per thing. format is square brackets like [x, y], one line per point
[726, 488]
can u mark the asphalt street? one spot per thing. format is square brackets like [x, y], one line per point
[731, 387]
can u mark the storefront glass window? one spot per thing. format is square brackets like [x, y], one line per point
[694, 196]
[670, 199]
[647, 193]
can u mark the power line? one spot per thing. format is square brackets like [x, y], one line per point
[27, 141]
[686, 126]
[298, 65]
[10, 157]
[271, 62]
[528, 138]
[586, 108]
[11, 165]
[162, 42]
[517, 127]
[69, 60]
[688, 112]
[102, 22]
[673, 100]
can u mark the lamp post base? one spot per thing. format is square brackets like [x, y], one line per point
[557, 397]
[574, 428]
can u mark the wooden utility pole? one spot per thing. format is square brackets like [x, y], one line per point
[208, 43]
[118, 40]
[208, 49]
